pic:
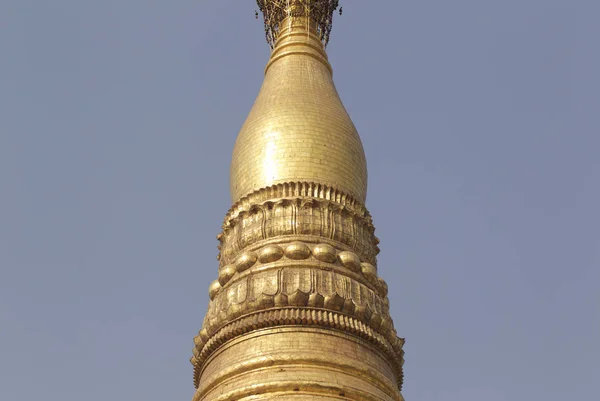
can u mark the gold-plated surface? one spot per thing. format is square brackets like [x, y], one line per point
[298, 208]
[291, 361]
[298, 310]
[298, 129]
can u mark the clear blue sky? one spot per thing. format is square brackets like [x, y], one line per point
[481, 123]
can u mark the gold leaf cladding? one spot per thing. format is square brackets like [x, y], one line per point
[274, 287]
[387, 342]
[245, 260]
[297, 250]
[214, 289]
[345, 223]
[308, 191]
[349, 260]
[270, 253]
[298, 128]
[298, 298]
[316, 300]
[226, 274]
[296, 279]
[264, 283]
[325, 253]
[298, 175]
[370, 272]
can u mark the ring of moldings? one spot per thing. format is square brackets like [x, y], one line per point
[225, 274]
[349, 260]
[297, 250]
[245, 261]
[370, 272]
[324, 253]
[383, 287]
[214, 289]
[387, 341]
[270, 253]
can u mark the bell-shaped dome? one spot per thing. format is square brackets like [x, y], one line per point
[298, 129]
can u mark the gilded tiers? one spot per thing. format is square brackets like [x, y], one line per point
[303, 256]
[298, 129]
[293, 209]
[297, 309]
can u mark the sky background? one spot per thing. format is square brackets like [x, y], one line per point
[480, 120]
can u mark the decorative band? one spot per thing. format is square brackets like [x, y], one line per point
[298, 190]
[288, 388]
[294, 251]
[390, 346]
[296, 284]
[301, 209]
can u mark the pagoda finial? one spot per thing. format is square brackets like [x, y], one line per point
[275, 11]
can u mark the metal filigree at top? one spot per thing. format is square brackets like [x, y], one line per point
[275, 11]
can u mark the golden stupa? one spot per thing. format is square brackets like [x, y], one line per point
[298, 310]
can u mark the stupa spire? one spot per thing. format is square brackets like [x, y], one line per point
[298, 310]
[298, 129]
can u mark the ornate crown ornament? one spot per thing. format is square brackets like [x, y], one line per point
[275, 11]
